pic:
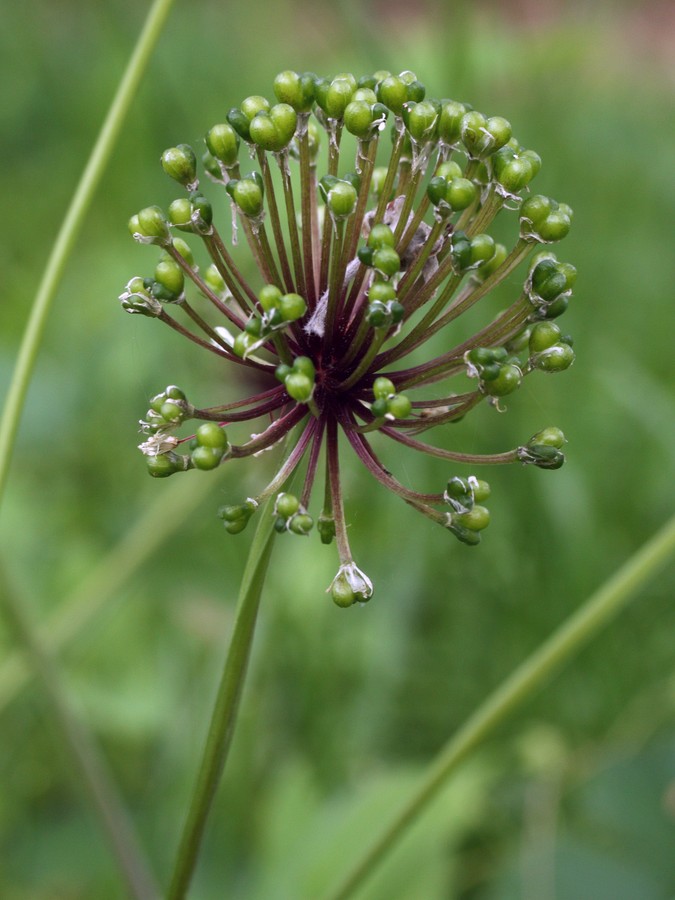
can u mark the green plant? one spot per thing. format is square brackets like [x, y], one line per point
[626, 582]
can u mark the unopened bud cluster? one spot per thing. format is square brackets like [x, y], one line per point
[367, 208]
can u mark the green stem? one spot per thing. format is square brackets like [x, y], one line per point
[530, 676]
[87, 761]
[70, 228]
[224, 716]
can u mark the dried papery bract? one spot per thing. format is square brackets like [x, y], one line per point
[361, 260]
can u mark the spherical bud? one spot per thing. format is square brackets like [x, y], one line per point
[341, 200]
[493, 264]
[206, 458]
[535, 209]
[269, 297]
[383, 387]
[387, 261]
[251, 106]
[461, 193]
[507, 381]
[301, 523]
[299, 387]
[551, 437]
[152, 224]
[223, 143]
[162, 465]
[358, 119]
[296, 90]
[393, 92]
[381, 236]
[399, 406]
[286, 505]
[292, 307]
[515, 174]
[274, 130]
[481, 489]
[170, 275]
[482, 249]
[476, 519]
[180, 212]
[450, 121]
[180, 163]
[543, 336]
[421, 120]
[554, 227]
[305, 366]
[211, 435]
[248, 195]
[554, 359]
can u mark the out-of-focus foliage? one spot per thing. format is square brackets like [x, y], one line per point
[576, 797]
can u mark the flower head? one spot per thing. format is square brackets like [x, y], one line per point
[359, 265]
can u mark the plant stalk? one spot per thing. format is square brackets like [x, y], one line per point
[530, 676]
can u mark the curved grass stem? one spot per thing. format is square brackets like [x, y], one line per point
[224, 715]
[530, 676]
[65, 241]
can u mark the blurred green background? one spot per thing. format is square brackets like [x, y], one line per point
[575, 799]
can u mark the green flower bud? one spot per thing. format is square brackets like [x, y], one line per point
[292, 307]
[334, 96]
[152, 224]
[464, 534]
[185, 251]
[223, 142]
[449, 170]
[482, 249]
[341, 200]
[459, 494]
[387, 261]
[450, 121]
[342, 594]
[393, 92]
[215, 280]
[351, 585]
[544, 456]
[170, 275]
[551, 437]
[282, 372]
[274, 130]
[180, 163]
[476, 519]
[515, 174]
[211, 435]
[240, 122]
[381, 292]
[381, 236]
[554, 359]
[543, 336]
[243, 344]
[163, 465]
[493, 264]
[554, 227]
[253, 105]
[248, 195]
[379, 408]
[305, 366]
[399, 406]
[507, 381]
[206, 458]
[481, 489]
[535, 209]
[180, 212]
[296, 90]
[383, 387]
[286, 505]
[269, 297]
[421, 120]
[461, 193]
[299, 387]
[301, 523]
